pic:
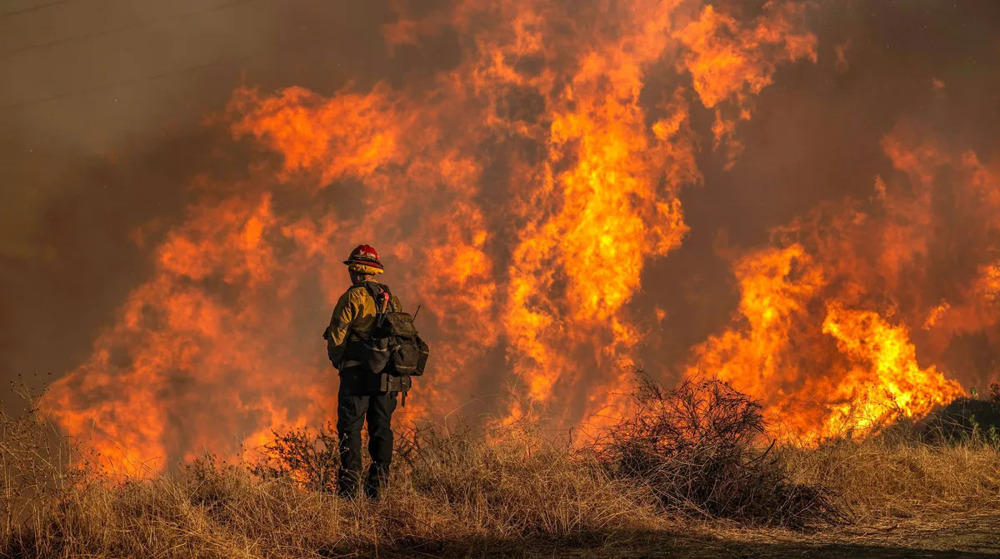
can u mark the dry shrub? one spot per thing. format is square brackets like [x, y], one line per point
[697, 448]
[36, 471]
[963, 421]
[308, 457]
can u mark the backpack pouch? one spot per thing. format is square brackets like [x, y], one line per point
[378, 354]
[395, 383]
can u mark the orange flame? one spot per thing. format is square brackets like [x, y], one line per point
[518, 197]
[826, 325]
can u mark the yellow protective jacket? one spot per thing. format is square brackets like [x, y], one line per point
[353, 319]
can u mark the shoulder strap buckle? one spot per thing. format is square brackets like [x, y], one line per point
[382, 297]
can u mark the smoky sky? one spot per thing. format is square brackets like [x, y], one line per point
[102, 127]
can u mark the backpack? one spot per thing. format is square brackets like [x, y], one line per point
[394, 349]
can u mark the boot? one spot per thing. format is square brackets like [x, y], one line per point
[377, 481]
[347, 484]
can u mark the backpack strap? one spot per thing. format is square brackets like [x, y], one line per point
[383, 299]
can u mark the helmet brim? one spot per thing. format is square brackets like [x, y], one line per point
[365, 263]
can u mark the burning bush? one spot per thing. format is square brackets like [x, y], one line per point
[696, 447]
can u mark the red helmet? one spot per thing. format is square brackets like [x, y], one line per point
[366, 255]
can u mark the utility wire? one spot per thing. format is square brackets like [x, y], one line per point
[128, 82]
[119, 29]
[34, 8]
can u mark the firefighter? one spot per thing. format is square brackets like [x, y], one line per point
[360, 396]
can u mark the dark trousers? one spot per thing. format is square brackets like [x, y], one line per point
[354, 405]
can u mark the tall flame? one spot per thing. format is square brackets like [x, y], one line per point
[518, 197]
[829, 315]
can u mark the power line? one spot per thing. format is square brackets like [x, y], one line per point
[118, 29]
[34, 8]
[129, 82]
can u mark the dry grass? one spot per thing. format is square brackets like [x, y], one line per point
[516, 483]
[886, 477]
[456, 493]
[471, 493]
[35, 466]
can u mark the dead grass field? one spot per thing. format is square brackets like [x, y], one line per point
[514, 493]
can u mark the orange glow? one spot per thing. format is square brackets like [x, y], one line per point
[826, 328]
[520, 197]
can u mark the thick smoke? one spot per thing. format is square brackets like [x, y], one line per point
[462, 140]
[101, 131]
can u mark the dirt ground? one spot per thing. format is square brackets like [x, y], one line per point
[952, 535]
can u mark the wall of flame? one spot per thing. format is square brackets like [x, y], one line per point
[518, 197]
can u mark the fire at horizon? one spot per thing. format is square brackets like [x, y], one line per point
[518, 197]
